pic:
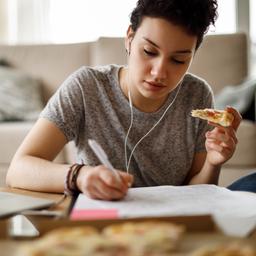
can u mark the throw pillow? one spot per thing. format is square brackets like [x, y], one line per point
[242, 97]
[20, 96]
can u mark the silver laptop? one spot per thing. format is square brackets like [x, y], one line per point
[11, 203]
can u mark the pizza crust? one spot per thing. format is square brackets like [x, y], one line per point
[221, 117]
[146, 237]
[125, 239]
[62, 241]
[230, 249]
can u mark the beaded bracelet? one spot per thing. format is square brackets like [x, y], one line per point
[70, 186]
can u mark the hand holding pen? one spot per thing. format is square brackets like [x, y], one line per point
[100, 153]
[103, 181]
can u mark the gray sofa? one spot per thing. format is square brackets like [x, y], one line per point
[221, 60]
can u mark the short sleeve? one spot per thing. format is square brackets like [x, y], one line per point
[66, 107]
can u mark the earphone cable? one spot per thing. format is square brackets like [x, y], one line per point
[128, 132]
[131, 106]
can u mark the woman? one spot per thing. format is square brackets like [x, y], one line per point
[139, 113]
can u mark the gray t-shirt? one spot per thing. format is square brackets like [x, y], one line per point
[91, 105]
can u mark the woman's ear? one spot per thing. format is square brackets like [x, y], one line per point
[128, 39]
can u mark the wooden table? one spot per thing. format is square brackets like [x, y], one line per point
[200, 230]
[8, 245]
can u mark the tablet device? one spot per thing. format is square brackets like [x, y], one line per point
[11, 203]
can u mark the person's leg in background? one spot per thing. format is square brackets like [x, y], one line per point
[246, 183]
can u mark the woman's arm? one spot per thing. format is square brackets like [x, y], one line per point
[202, 172]
[32, 167]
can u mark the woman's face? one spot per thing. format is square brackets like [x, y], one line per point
[160, 55]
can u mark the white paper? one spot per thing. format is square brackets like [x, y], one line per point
[234, 226]
[223, 204]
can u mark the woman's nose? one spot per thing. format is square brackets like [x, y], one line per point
[159, 70]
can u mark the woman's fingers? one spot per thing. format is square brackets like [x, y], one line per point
[219, 136]
[120, 183]
[126, 178]
[213, 146]
[99, 190]
[94, 193]
[222, 134]
[231, 132]
[101, 183]
[106, 192]
[220, 140]
[220, 145]
[237, 117]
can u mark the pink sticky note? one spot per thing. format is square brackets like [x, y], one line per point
[91, 214]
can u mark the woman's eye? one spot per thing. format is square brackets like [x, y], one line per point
[149, 53]
[178, 61]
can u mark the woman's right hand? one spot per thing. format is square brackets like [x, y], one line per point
[101, 183]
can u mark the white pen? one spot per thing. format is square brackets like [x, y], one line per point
[102, 156]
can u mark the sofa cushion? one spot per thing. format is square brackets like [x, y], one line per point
[11, 136]
[108, 50]
[246, 148]
[20, 96]
[51, 63]
[3, 172]
[222, 60]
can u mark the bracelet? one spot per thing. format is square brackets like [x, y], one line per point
[67, 190]
[74, 176]
[70, 186]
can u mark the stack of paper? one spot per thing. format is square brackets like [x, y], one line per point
[224, 205]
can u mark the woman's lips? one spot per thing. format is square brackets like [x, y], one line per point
[154, 86]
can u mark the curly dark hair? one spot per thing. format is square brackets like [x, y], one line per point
[195, 16]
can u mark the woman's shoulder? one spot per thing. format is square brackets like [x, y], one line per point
[91, 79]
[96, 72]
[196, 84]
[194, 80]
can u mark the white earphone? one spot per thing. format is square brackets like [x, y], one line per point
[129, 46]
[128, 161]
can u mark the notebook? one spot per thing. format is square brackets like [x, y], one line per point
[11, 203]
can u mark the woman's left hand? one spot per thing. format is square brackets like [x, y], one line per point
[221, 141]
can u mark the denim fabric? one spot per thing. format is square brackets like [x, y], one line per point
[246, 183]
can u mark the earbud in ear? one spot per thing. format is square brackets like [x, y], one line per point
[128, 45]
[128, 51]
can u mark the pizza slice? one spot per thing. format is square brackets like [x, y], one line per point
[221, 117]
[73, 241]
[146, 237]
